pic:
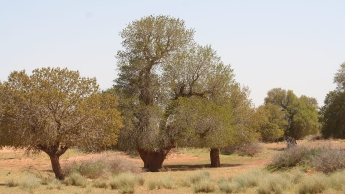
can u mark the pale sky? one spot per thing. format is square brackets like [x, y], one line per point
[291, 44]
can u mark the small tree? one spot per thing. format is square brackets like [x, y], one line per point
[55, 109]
[301, 113]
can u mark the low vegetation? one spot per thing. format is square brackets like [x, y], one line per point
[323, 158]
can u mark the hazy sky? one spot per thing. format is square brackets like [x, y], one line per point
[296, 45]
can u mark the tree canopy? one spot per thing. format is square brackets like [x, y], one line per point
[301, 113]
[333, 111]
[163, 74]
[54, 109]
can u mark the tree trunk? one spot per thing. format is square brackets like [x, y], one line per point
[153, 160]
[214, 156]
[54, 159]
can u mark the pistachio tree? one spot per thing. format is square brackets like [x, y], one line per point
[55, 109]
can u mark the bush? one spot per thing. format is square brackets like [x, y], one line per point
[329, 160]
[76, 179]
[297, 155]
[125, 182]
[248, 149]
[101, 165]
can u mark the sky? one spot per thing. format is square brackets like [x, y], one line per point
[290, 44]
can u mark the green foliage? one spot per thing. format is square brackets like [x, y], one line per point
[333, 111]
[301, 113]
[272, 122]
[165, 76]
[54, 109]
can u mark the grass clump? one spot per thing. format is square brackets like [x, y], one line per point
[250, 179]
[198, 176]
[125, 182]
[167, 183]
[204, 186]
[29, 182]
[12, 183]
[54, 184]
[100, 184]
[76, 179]
[229, 187]
[313, 184]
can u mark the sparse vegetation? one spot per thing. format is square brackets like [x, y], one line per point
[76, 179]
[125, 182]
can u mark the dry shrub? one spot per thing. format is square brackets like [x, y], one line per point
[101, 165]
[248, 149]
[329, 160]
[297, 155]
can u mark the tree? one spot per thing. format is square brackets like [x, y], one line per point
[339, 77]
[55, 109]
[332, 113]
[272, 122]
[162, 71]
[301, 113]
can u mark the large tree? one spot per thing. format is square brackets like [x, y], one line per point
[55, 109]
[301, 113]
[333, 111]
[162, 71]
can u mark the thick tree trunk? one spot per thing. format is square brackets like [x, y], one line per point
[54, 159]
[153, 160]
[214, 156]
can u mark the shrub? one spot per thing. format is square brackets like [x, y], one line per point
[29, 182]
[293, 156]
[204, 186]
[329, 160]
[101, 165]
[125, 182]
[76, 179]
[248, 149]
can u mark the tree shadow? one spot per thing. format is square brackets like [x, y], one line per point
[191, 167]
